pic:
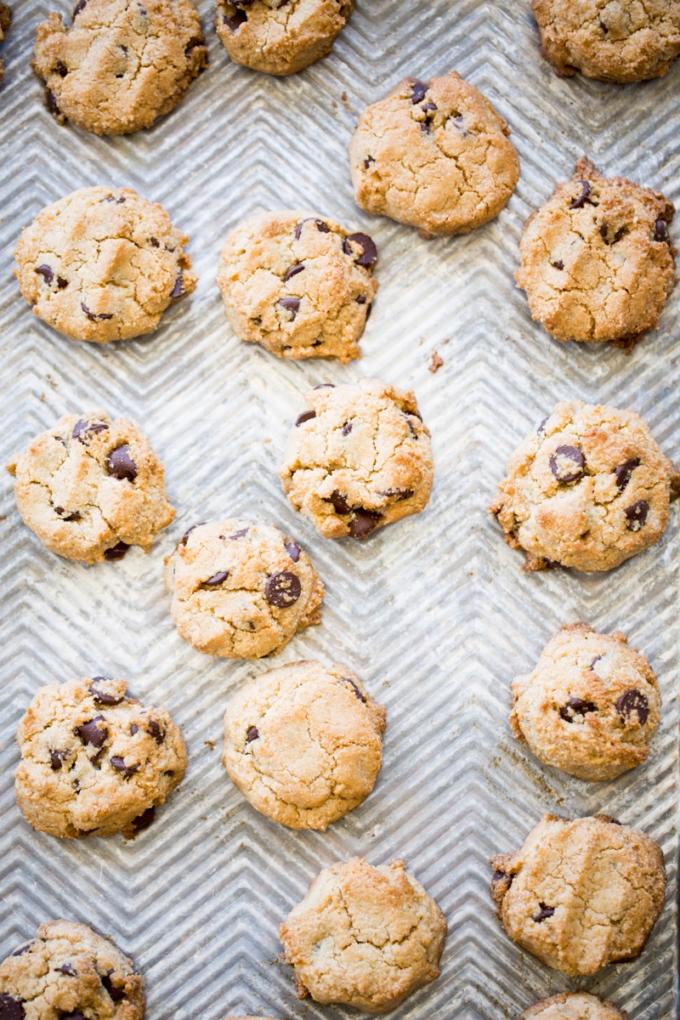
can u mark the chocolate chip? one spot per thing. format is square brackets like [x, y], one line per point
[51, 103]
[72, 1016]
[66, 968]
[624, 471]
[322, 227]
[291, 304]
[120, 766]
[369, 252]
[661, 231]
[61, 68]
[557, 265]
[411, 428]
[596, 659]
[429, 107]
[178, 289]
[567, 463]
[116, 552]
[363, 522]
[46, 273]
[65, 516]
[78, 8]
[603, 230]
[112, 198]
[293, 271]
[10, 1008]
[636, 515]
[357, 692]
[156, 731]
[239, 534]
[543, 913]
[82, 429]
[234, 21]
[183, 540]
[418, 90]
[605, 30]
[61, 283]
[502, 876]
[91, 733]
[633, 701]
[193, 44]
[425, 128]
[57, 758]
[621, 232]
[282, 589]
[219, 578]
[325, 385]
[101, 696]
[252, 734]
[121, 465]
[340, 504]
[134, 728]
[293, 550]
[305, 416]
[368, 161]
[578, 203]
[576, 706]
[361, 300]
[23, 949]
[347, 428]
[397, 494]
[154, 242]
[93, 316]
[541, 427]
[116, 993]
[139, 823]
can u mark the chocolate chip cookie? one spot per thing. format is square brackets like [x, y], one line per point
[90, 487]
[598, 262]
[241, 590]
[300, 285]
[280, 36]
[358, 458]
[5, 22]
[364, 936]
[122, 63]
[433, 155]
[303, 743]
[580, 894]
[588, 489]
[103, 264]
[574, 1006]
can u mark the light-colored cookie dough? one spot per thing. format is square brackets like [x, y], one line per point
[573, 1006]
[5, 22]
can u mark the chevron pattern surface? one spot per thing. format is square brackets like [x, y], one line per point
[433, 613]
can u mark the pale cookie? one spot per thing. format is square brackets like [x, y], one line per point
[241, 590]
[5, 22]
[590, 706]
[303, 743]
[597, 259]
[613, 40]
[363, 936]
[588, 489]
[299, 285]
[122, 63]
[102, 264]
[280, 36]
[433, 156]
[69, 972]
[358, 459]
[580, 894]
[90, 487]
[573, 1006]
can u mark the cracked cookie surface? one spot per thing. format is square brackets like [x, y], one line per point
[364, 936]
[580, 894]
[588, 489]
[358, 458]
[69, 971]
[121, 64]
[597, 260]
[102, 264]
[303, 743]
[434, 156]
[90, 487]
[241, 590]
[298, 284]
[5, 22]
[574, 1006]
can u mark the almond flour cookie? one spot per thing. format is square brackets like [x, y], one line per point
[588, 489]
[241, 590]
[580, 894]
[573, 1006]
[303, 743]
[68, 971]
[121, 64]
[597, 259]
[299, 285]
[433, 156]
[363, 936]
[102, 264]
[280, 36]
[358, 459]
[5, 22]
[90, 487]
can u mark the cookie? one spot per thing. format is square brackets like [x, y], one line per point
[5, 22]
[95, 761]
[434, 156]
[597, 260]
[90, 487]
[241, 590]
[303, 743]
[102, 264]
[363, 936]
[573, 1006]
[299, 285]
[622, 42]
[590, 706]
[588, 489]
[358, 458]
[122, 63]
[68, 971]
[580, 894]
[280, 36]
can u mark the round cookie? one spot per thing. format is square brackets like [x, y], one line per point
[364, 936]
[597, 261]
[241, 590]
[433, 156]
[573, 1006]
[5, 22]
[358, 459]
[622, 42]
[102, 264]
[90, 487]
[280, 36]
[588, 489]
[94, 761]
[121, 64]
[590, 706]
[303, 743]
[580, 894]
[299, 285]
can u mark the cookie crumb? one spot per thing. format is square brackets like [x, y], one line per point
[435, 362]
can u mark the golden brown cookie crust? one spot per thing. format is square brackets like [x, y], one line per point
[574, 1006]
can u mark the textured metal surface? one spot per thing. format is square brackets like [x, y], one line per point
[433, 613]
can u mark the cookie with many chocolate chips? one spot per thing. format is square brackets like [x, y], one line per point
[5, 22]
[574, 1006]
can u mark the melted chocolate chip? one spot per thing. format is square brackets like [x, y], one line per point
[418, 90]
[93, 316]
[603, 230]
[183, 540]
[234, 21]
[112, 198]
[397, 494]
[558, 265]
[61, 283]
[57, 758]
[46, 273]
[10, 1008]
[178, 289]
[51, 103]
[193, 44]
[293, 550]
[219, 578]
[65, 516]
[322, 227]
[305, 416]
[154, 242]
[91, 733]
[368, 161]
[567, 463]
[141, 822]
[116, 993]
[596, 659]
[543, 913]
[578, 203]
[363, 522]
[134, 728]
[357, 692]
[368, 254]
[83, 429]
[576, 706]
[23, 949]
[633, 701]
[636, 515]
[624, 471]
[239, 534]
[116, 552]
[119, 765]
[347, 428]
[252, 734]
[661, 232]
[121, 465]
[101, 697]
[291, 304]
[340, 504]
[61, 68]
[502, 876]
[282, 589]
[293, 271]
[411, 428]
[66, 968]
[361, 300]
[156, 731]
[325, 386]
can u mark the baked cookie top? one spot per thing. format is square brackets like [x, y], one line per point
[597, 258]
[364, 936]
[303, 743]
[433, 155]
[358, 458]
[121, 64]
[588, 489]
[573, 1006]
[298, 284]
[102, 264]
